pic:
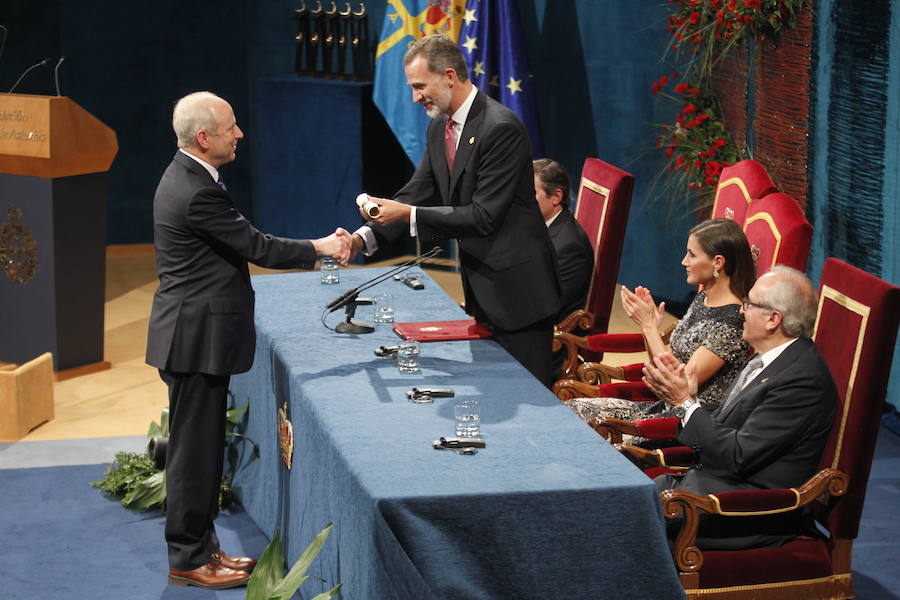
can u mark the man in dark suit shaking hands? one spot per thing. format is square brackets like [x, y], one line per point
[475, 183]
[201, 326]
[771, 428]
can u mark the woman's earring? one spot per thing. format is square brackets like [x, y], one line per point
[715, 273]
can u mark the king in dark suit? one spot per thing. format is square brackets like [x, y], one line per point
[201, 326]
[475, 183]
[770, 430]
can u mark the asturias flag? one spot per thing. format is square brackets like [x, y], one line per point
[404, 22]
[489, 33]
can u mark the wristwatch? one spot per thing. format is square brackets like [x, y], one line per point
[682, 408]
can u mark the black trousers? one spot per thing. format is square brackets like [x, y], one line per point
[194, 458]
[532, 347]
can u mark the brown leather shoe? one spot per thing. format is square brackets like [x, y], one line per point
[238, 563]
[212, 576]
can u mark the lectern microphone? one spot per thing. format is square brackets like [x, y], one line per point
[22, 76]
[56, 74]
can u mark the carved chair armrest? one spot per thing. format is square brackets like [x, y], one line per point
[741, 503]
[571, 344]
[676, 458]
[596, 373]
[578, 319]
[602, 374]
[566, 389]
[624, 342]
[642, 457]
[613, 429]
[663, 428]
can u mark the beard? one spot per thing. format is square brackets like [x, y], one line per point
[439, 104]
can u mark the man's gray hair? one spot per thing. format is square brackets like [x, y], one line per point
[191, 115]
[792, 294]
[440, 52]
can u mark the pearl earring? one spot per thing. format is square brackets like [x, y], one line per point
[715, 273]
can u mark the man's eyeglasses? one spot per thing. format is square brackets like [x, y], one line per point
[747, 304]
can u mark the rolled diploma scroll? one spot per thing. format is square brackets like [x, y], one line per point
[372, 209]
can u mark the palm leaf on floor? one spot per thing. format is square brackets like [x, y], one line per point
[269, 581]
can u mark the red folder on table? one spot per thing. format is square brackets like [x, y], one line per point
[441, 331]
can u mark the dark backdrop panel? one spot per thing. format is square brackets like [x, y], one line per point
[127, 63]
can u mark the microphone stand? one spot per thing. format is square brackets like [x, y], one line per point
[351, 300]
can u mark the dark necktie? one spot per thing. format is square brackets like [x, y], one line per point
[753, 365]
[450, 144]
[222, 185]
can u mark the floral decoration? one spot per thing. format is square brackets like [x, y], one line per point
[698, 145]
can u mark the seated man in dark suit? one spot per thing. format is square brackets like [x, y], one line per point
[574, 254]
[771, 428]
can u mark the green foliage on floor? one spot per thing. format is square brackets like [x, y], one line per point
[269, 581]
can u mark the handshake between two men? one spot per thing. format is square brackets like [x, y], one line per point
[338, 245]
[344, 246]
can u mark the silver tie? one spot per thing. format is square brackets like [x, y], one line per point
[751, 367]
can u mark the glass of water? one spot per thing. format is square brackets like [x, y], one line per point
[408, 357]
[384, 308]
[468, 418]
[331, 271]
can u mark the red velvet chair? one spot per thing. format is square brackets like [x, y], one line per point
[778, 232]
[738, 185]
[856, 328]
[604, 198]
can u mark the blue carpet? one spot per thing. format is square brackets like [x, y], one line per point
[62, 539]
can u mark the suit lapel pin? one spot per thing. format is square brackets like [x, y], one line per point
[764, 380]
[471, 140]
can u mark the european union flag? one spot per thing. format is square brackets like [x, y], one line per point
[494, 46]
[404, 22]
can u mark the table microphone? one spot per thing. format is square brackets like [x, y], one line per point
[350, 295]
[22, 76]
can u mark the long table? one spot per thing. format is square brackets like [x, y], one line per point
[547, 510]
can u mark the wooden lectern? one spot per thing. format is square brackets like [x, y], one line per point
[54, 158]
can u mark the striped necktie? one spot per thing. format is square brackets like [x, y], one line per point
[753, 365]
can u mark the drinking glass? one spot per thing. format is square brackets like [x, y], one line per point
[331, 271]
[468, 418]
[384, 308]
[408, 357]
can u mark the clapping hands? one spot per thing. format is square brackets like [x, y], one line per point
[640, 307]
[669, 379]
[338, 245]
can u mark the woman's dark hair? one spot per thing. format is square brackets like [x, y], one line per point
[725, 237]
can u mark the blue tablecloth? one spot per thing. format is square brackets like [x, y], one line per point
[547, 510]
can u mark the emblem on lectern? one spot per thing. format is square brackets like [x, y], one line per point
[285, 435]
[18, 250]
